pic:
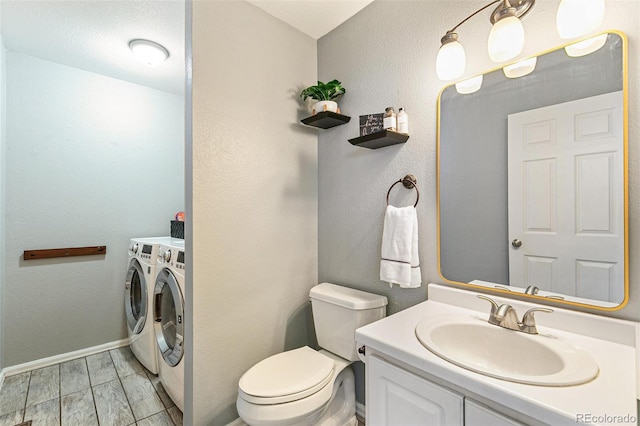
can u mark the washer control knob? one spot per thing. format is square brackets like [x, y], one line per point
[167, 256]
[134, 248]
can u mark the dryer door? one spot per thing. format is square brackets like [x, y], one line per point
[168, 308]
[135, 297]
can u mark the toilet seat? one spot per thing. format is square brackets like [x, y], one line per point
[286, 377]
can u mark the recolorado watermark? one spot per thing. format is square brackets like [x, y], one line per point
[589, 418]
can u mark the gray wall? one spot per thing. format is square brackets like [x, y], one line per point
[385, 56]
[254, 207]
[473, 154]
[2, 178]
[91, 160]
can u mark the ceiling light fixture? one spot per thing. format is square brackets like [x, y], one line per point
[148, 52]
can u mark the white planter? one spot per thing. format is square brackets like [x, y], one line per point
[330, 106]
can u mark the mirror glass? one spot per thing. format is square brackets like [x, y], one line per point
[532, 177]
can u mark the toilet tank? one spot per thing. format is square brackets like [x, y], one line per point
[337, 313]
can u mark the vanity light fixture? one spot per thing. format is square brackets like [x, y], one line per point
[470, 85]
[148, 52]
[520, 68]
[577, 18]
[506, 39]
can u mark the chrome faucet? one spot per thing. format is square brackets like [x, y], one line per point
[505, 316]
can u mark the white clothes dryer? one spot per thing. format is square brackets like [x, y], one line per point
[138, 298]
[169, 318]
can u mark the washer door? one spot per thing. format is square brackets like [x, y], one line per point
[168, 317]
[135, 297]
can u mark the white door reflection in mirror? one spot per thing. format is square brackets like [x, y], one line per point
[566, 170]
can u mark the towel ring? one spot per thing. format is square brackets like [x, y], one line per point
[409, 181]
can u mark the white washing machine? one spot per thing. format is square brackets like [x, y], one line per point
[168, 315]
[138, 298]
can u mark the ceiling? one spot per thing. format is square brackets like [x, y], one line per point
[305, 15]
[94, 34]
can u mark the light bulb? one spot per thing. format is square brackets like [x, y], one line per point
[585, 47]
[506, 39]
[148, 52]
[451, 59]
[470, 85]
[576, 18]
[521, 68]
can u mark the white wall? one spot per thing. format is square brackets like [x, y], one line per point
[90, 160]
[254, 188]
[392, 62]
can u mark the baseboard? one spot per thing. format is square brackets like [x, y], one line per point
[360, 410]
[56, 359]
[237, 422]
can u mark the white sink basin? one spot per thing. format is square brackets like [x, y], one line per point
[474, 344]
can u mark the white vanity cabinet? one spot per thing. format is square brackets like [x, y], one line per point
[396, 396]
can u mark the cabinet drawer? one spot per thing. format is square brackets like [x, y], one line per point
[479, 415]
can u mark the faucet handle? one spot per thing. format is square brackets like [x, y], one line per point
[494, 309]
[529, 321]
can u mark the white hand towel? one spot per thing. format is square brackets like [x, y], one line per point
[399, 263]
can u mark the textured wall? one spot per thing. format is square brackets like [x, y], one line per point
[91, 160]
[254, 186]
[392, 63]
[2, 177]
[385, 56]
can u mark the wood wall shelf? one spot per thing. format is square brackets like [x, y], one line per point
[326, 120]
[63, 252]
[380, 139]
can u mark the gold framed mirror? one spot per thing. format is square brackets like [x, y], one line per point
[532, 177]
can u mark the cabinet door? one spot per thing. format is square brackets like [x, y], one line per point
[479, 415]
[398, 397]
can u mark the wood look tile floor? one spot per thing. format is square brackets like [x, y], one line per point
[109, 388]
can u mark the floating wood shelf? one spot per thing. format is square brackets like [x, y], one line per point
[64, 252]
[326, 120]
[380, 139]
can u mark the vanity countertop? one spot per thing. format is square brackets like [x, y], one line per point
[611, 342]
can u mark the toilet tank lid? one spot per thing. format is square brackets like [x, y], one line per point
[347, 297]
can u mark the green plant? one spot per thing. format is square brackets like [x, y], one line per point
[323, 91]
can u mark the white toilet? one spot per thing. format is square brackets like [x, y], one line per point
[308, 387]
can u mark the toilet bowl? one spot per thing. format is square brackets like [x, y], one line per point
[308, 387]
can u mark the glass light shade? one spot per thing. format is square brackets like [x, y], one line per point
[451, 61]
[470, 85]
[576, 18]
[148, 52]
[521, 68]
[506, 39]
[584, 47]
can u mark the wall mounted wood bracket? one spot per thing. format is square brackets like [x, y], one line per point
[63, 252]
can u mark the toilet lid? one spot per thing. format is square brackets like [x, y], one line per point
[287, 373]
